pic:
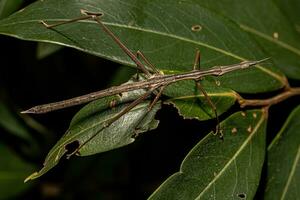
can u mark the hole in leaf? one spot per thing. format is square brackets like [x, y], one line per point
[72, 148]
[242, 196]
[196, 28]
[135, 134]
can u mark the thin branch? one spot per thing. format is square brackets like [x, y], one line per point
[287, 93]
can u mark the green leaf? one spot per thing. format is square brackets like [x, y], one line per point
[13, 170]
[222, 169]
[193, 104]
[9, 6]
[122, 75]
[283, 170]
[9, 121]
[290, 8]
[161, 29]
[88, 130]
[46, 49]
[170, 44]
[273, 30]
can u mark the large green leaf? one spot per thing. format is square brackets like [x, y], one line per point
[161, 29]
[13, 170]
[222, 169]
[170, 44]
[88, 128]
[269, 24]
[283, 170]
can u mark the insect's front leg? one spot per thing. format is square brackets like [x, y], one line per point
[149, 64]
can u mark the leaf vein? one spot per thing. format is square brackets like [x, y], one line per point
[293, 170]
[235, 155]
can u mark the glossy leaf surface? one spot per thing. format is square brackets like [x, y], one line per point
[169, 44]
[273, 30]
[222, 169]
[149, 26]
[191, 103]
[283, 170]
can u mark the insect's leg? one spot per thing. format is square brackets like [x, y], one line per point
[95, 17]
[115, 118]
[155, 71]
[138, 70]
[208, 99]
[156, 97]
[133, 57]
[151, 105]
[72, 20]
[149, 64]
[197, 61]
[212, 105]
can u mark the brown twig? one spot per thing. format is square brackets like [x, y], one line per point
[287, 93]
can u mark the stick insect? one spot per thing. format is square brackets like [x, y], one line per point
[154, 83]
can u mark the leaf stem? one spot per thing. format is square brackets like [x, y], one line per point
[287, 93]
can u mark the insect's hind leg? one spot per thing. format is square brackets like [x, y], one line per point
[212, 105]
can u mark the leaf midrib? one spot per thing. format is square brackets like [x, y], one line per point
[224, 94]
